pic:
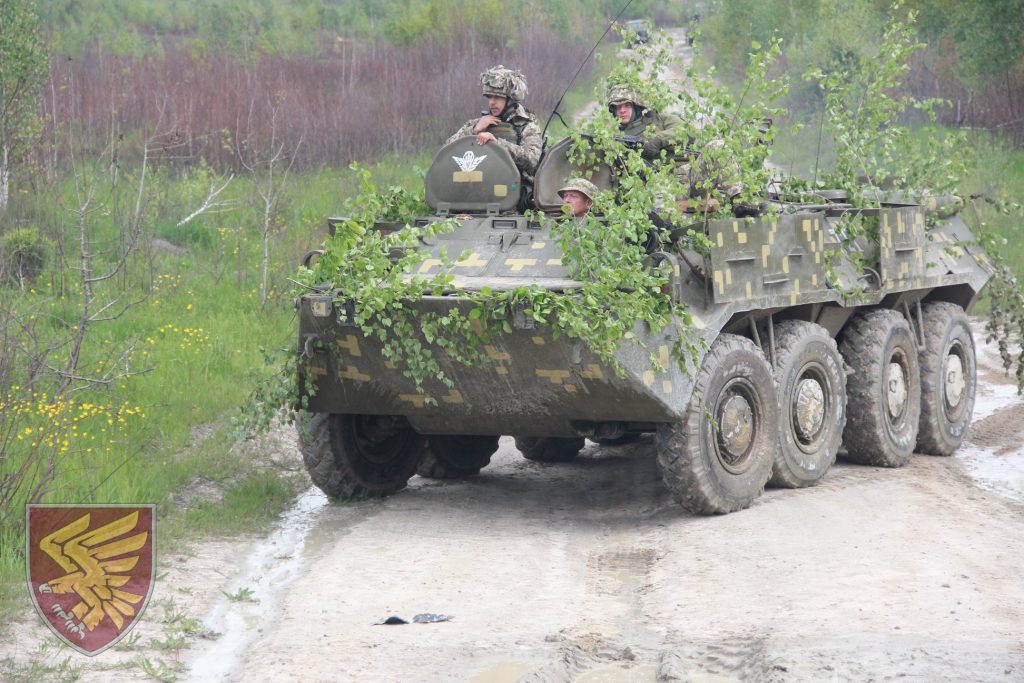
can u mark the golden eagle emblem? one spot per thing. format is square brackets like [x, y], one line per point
[90, 569]
[98, 562]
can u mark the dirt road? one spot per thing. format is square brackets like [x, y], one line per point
[589, 572]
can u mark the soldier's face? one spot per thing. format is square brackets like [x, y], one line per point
[577, 202]
[624, 111]
[496, 104]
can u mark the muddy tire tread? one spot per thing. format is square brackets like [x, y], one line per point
[932, 437]
[317, 442]
[446, 458]
[865, 435]
[549, 448]
[790, 337]
[684, 468]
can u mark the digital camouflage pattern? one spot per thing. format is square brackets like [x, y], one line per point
[520, 137]
[758, 289]
[503, 82]
[620, 94]
[581, 185]
[771, 263]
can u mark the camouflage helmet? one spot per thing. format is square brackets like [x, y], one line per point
[618, 94]
[502, 82]
[581, 185]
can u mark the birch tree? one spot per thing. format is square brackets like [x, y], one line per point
[22, 68]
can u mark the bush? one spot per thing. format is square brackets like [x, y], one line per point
[23, 253]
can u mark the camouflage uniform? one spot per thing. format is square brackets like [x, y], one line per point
[702, 176]
[694, 171]
[518, 133]
[657, 130]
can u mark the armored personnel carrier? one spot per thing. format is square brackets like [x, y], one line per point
[790, 371]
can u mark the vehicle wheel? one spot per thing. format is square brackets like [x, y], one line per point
[948, 379]
[454, 457]
[883, 393]
[622, 440]
[549, 448]
[811, 383]
[717, 458]
[353, 457]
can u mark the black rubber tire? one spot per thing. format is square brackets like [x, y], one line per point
[455, 456]
[872, 341]
[627, 438]
[805, 351]
[700, 474]
[947, 332]
[549, 448]
[354, 457]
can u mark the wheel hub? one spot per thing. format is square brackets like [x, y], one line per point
[896, 393]
[808, 408]
[736, 421]
[954, 382]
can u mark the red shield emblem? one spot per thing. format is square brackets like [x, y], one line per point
[90, 570]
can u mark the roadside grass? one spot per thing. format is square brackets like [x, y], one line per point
[51, 661]
[193, 345]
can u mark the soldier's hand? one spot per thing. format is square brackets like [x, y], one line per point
[484, 123]
[651, 149]
[484, 138]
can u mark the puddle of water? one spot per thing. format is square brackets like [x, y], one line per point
[991, 398]
[503, 672]
[1002, 474]
[619, 674]
[270, 567]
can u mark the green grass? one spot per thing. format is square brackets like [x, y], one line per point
[197, 332]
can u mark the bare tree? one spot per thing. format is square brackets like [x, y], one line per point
[269, 168]
[211, 204]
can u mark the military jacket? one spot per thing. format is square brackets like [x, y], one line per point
[659, 131]
[518, 133]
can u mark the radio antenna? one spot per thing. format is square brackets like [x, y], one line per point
[554, 112]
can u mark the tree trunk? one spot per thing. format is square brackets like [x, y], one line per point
[5, 174]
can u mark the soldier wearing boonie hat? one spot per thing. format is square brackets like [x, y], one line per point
[578, 194]
[506, 123]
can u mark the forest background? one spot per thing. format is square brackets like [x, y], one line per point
[166, 163]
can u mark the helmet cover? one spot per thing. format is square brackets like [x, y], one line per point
[502, 82]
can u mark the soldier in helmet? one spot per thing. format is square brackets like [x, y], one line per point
[506, 123]
[655, 132]
[578, 194]
[641, 125]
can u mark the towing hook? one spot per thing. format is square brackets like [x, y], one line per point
[309, 344]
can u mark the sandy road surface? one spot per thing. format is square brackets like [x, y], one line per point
[589, 572]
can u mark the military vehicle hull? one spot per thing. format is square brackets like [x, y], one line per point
[534, 385]
[800, 349]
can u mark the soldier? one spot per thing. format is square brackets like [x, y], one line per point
[654, 132]
[578, 194]
[641, 125]
[507, 123]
